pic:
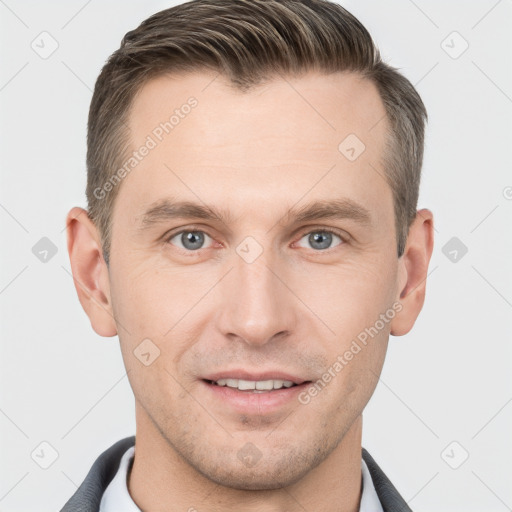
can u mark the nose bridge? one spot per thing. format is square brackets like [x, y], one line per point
[256, 305]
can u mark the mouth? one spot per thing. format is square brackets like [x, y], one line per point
[254, 395]
[254, 386]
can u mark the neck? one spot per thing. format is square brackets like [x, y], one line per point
[160, 479]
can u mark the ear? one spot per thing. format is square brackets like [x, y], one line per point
[90, 272]
[413, 269]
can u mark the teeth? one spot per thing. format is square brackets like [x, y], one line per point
[267, 385]
[260, 385]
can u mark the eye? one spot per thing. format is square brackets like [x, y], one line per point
[189, 240]
[321, 239]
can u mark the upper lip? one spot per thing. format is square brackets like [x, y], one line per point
[255, 376]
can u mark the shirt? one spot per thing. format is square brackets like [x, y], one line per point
[116, 496]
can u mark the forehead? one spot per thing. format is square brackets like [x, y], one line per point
[317, 137]
[317, 108]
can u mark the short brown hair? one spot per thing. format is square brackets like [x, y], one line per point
[250, 41]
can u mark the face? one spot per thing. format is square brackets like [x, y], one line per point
[260, 291]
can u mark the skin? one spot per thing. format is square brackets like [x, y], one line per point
[297, 307]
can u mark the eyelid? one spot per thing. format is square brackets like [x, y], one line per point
[325, 229]
[189, 228]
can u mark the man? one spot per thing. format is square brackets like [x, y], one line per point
[252, 238]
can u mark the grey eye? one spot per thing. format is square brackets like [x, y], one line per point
[190, 240]
[320, 240]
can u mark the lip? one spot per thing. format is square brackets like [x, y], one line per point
[247, 375]
[228, 399]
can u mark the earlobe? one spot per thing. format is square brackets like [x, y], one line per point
[90, 272]
[413, 272]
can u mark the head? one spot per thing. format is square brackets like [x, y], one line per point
[302, 152]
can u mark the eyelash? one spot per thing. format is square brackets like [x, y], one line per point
[319, 229]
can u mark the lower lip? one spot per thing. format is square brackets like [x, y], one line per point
[248, 402]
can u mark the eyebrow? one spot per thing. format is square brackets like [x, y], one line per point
[167, 209]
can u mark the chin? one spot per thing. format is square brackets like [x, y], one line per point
[248, 480]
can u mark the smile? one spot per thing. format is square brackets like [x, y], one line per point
[259, 386]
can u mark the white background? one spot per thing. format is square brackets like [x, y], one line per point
[448, 380]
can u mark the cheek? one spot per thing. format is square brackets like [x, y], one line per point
[346, 386]
[348, 298]
[149, 301]
[157, 322]
[351, 302]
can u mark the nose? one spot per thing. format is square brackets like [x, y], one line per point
[257, 306]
